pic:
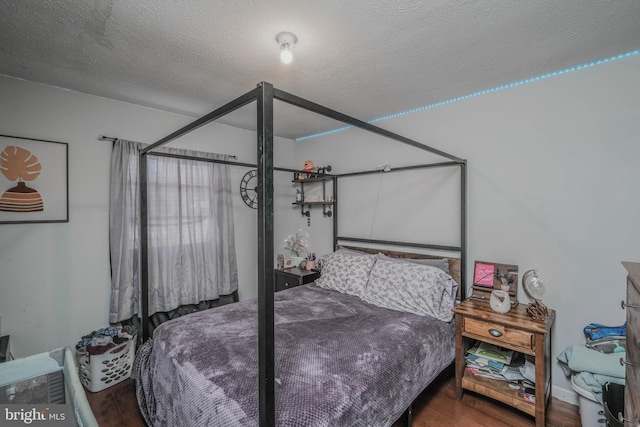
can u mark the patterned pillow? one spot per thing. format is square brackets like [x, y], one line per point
[441, 263]
[341, 250]
[346, 273]
[412, 288]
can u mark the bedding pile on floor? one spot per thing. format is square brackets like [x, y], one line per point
[596, 363]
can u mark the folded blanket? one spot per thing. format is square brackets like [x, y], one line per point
[578, 358]
[608, 344]
[594, 382]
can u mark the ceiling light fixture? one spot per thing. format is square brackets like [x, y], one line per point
[286, 41]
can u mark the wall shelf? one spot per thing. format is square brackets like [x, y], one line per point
[313, 178]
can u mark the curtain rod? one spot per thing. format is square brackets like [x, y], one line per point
[113, 139]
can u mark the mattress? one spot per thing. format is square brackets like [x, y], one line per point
[338, 361]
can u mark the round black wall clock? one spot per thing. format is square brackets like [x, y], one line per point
[249, 188]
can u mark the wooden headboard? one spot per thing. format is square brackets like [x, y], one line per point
[454, 263]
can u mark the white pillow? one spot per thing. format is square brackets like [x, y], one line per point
[346, 273]
[412, 288]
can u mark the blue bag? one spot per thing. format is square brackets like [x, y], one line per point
[595, 331]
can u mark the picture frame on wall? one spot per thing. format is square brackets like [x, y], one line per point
[34, 180]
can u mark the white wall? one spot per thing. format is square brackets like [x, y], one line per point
[55, 280]
[552, 184]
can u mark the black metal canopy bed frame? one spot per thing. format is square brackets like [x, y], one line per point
[264, 95]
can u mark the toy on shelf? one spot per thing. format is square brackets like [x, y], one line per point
[311, 171]
[308, 168]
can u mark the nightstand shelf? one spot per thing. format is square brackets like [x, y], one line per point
[498, 390]
[514, 330]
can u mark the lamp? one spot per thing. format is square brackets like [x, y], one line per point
[534, 288]
[286, 41]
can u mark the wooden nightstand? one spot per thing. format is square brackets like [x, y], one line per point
[290, 277]
[475, 321]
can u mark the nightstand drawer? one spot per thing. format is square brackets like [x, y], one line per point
[283, 283]
[292, 277]
[513, 337]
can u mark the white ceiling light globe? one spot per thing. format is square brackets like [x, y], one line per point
[286, 56]
[286, 41]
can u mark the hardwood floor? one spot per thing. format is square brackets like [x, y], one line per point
[117, 406]
[438, 406]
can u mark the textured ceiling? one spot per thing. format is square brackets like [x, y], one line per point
[367, 58]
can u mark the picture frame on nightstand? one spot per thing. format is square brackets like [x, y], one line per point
[493, 276]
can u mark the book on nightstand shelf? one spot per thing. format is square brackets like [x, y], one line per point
[488, 361]
[492, 352]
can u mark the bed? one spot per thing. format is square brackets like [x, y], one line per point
[277, 359]
[341, 357]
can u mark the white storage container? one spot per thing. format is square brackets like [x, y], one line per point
[101, 371]
[591, 411]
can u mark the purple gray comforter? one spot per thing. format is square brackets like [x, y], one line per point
[339, 362]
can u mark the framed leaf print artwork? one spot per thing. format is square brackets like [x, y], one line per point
[34, 180]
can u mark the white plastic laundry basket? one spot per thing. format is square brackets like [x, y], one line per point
[591, 411]
[98, 372]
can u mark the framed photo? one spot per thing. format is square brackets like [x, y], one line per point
[488, 276]
[34, 180]
[483, 274]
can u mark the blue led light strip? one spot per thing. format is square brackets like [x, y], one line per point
[482, 92]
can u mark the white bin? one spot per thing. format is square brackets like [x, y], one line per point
[110, 368]
[591, 411]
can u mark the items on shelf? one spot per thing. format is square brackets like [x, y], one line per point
[492, 352]
[490, 361]
[311, 174]
[310, 171]
[308, 168]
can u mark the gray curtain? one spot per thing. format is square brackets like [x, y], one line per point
[192, 254]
